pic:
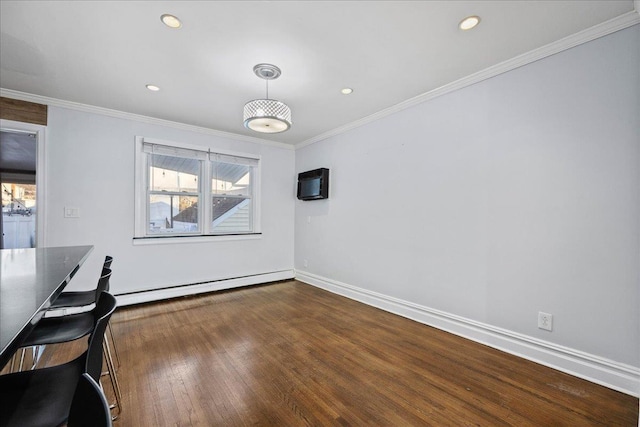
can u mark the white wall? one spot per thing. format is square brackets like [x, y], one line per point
[515, 195]
[90, 165]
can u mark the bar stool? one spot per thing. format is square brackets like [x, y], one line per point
[52, 330]
[60, 329]
[49, 396]
[79, 299]
[89, 406]
[72, 299]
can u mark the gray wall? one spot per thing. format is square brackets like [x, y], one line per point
[515, 195]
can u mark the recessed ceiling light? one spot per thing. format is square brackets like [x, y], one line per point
[153, 88]
[170, 21]
[346, 91]
[469, 22]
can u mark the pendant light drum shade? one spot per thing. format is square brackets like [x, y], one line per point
[267, 116]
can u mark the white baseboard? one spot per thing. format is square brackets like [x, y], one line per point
[198, 288]
[611, 374]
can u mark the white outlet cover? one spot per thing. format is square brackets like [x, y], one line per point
[71, 212]
[545, 321]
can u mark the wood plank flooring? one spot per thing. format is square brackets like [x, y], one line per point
[289, 354]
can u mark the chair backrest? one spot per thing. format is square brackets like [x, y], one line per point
[107, 261]
[105, 307]
[89, 406]
[103, 282]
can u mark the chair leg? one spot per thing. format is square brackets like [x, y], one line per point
[14, 359]
[113, 343]
[111, 371]
[111, 367]
[34, 356]
[21, 365]
[111, 405]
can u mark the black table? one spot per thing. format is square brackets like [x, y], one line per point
[30, 280]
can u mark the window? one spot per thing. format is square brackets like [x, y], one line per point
[186, 191]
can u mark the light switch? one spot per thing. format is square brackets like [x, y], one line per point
[71, 212]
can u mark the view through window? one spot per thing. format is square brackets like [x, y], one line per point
[195, 192]
[18, 215]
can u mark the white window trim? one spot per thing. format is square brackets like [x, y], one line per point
[140, 203]
[200, 238]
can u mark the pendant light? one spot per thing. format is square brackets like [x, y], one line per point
[267, 115]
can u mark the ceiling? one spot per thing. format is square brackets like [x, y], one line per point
[104, 53]
[17, 152]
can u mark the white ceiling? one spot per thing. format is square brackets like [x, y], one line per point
[17, 152]
[104, 53]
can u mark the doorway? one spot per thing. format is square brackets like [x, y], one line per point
[20, 224]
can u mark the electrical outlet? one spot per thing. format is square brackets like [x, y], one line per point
[545, 321]
[306, 263]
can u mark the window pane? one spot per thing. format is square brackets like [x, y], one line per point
[175, 174]
[231, 179]
[231, 215]
[173, 214]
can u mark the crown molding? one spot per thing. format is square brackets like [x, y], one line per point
[8, 93]
[600, 30]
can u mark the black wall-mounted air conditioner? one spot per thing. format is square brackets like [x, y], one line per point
[313, 185]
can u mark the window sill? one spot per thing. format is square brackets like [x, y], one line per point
[169, 240]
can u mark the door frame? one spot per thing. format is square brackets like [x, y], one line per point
[41, 172]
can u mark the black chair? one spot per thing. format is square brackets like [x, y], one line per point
[43, 397]
[60, 329]
[79, 299]
[89, 407]
[74, 299]
[54, 330]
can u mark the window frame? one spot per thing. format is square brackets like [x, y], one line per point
[142, 235]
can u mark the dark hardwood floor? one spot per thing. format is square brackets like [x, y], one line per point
[289, 354]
